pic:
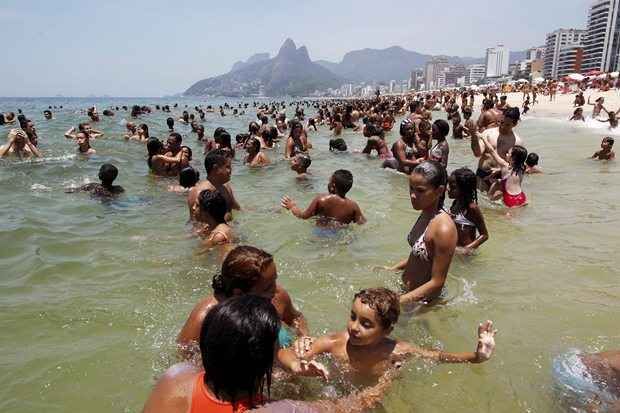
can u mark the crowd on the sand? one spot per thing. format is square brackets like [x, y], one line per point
[233, 339]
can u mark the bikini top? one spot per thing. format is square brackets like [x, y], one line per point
[418, 247]
[461, 219]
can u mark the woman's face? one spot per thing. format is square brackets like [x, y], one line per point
[423, 195]
[363, 326]
[453, 190]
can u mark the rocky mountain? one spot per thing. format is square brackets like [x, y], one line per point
[291, 72]
[258, 57]
[395, 62]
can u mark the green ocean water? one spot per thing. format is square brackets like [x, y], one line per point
[93, 294]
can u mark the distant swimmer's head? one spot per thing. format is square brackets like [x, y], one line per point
[200, 130]
[374, 312]
[84, 127]
[578, 111]
[463, 186]
[503, 98]
[532, 159]
[607, 142]
[107, 174]
[407, 129]
[18, 137]
[238, 342]
[252, 146]
[214, 204]
[224, 140]
[427, 185]
[47, 114]
[246, 270]
[340, 182]
[144, 130]
[509, 120]
[374, 130]
[218, 166]
[487, 104]
[254, 128]
[242, 138]
[337, 144]
[440, 129]
[301, 163]
[170, 123]
[187, 152]
[296, 129]
[188, 177]
[173, 143]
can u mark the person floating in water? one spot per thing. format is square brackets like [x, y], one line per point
[105, 189]
[18, 145]
[605, 154]
[334, 205]
[300, 164]
[366, 348]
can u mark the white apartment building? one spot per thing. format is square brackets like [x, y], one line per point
[475, 73]
[497, 62]
[564, 43]
[601, 45]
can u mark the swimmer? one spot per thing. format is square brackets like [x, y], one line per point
[296, 142]
[511, 173]
[143, 134]
[47, 114]
[107, 175]
[404, 150]
[170, 123]
[188, 177]
[376, 142]
[255, 157]
[83, 144]
[159, 163]
[337, 145]
[501, 139]
[432, 239]
[457, 127]
[31, 132]
[219, 169]
[334, 205]
[366, 349]
[462, 188]
[598, 106]
[132, 132]
[441, 150]
[531, 164]
[526, 105]
[489, 116]
[300, 164]
[605, 154]
[245, 270]
[9, 118]
[578, 115]
[216, 232]
[18, 144]
[87, 129]
[611, 118]
[469, 123]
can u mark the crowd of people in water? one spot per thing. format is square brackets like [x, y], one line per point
[234, 339]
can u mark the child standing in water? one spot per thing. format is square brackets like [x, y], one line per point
[333, 206]
[531, 164]
[578, 115]
[463, 188]
[367, 351]
[605, 154]
[219, 233]
[509, 186]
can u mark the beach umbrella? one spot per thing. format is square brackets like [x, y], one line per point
[576, 76]
[614, 74]
[539, 79]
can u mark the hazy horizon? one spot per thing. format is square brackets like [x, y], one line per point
[146, 49]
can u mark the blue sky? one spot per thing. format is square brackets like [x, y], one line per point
[152, 48]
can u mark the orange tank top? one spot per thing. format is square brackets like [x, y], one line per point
[203, 402]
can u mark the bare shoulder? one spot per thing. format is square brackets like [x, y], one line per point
[202, 308]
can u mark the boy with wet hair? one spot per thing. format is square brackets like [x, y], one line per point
[605, 154]
[531, 164]
[188, 177]
[366, 348]
[107, 175]
[337, 144]
[333, 206]
[300, 164]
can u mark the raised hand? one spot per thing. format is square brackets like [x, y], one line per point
[302, 346]
[486, 341]
[287, 202]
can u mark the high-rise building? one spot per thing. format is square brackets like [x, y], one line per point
[498, 59]
[433, 69]
[392, 86]
[453, 74]
[475, 73]
[564, 43]
[536, 53]
[601, 45]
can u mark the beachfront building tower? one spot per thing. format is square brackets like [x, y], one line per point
[563, 52]
[497, 62]
[475, 73]
[433, 70]
[601, 45]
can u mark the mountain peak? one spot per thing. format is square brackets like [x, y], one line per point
[302, 54]
[288, 48]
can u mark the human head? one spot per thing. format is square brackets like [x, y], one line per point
[407, 130]
[187, 152]
[296, 129]
[81, 139]
[246, 270]
[84, 127]
[301, 163]
[238, 339]
[427, 185]
[467, 112]
[19, 137]
[154, 147]
[254, 128]
[340, 182]
[337, 144]
[47, 114]
[107, 174]
[170, 123]
[531, 160]
[518, 155]
[188, 177]
[173, 143]
[200, 131]
[578, 111]
[374, 312]
[144, 130]
[218, 166]
[509, 120]
[440, 129]
[214, 204]
[607, 142]
[462, 185]
[252, 146]
[487, 104]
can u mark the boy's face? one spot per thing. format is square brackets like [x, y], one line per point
[605, 144]
[222, 172]
[363, 326]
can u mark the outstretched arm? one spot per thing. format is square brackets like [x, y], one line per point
[311, 211]
[69, 134]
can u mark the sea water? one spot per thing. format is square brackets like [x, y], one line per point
[93, 294]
